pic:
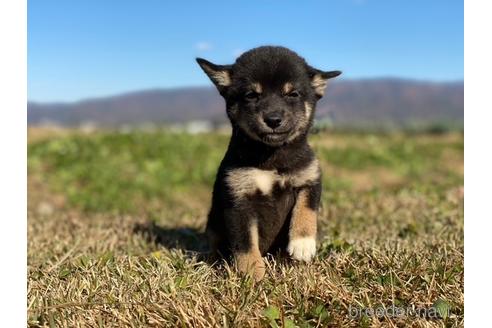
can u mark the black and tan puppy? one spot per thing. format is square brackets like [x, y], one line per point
[268, 186]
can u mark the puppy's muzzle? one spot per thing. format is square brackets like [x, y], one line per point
[273, 120]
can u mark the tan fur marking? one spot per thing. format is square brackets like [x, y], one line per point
[308, 109]
[251, 262]
[257, 87]
[287, 88]
[306, 175]
[302, 122]
[253, 231]
[319, 84]
[221, 78]
[303, 222]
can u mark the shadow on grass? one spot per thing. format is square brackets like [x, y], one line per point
[193, 243]
[189, 240]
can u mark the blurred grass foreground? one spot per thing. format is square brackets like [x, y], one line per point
[391, 233]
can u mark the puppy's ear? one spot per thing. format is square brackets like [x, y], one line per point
[219, 74]
[319, 80]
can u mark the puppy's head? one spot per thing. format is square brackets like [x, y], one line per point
[270, 93]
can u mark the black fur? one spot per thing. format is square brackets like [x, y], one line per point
[269, 132]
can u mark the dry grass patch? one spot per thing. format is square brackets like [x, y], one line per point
[391, 245]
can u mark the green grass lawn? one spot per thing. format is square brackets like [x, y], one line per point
[115, 235]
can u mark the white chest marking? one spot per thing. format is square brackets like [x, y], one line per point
[248, 181]
[264, 180]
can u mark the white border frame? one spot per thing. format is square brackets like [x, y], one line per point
[478, 163]
[13, 179]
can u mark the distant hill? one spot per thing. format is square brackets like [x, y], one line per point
[347, 102]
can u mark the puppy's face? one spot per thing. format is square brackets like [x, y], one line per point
[270, 93]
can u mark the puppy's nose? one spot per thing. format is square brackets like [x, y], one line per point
[273, 120]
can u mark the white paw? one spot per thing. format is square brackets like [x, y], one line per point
[302, 249]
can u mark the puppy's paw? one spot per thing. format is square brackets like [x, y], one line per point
[302, 249]
[251, 264]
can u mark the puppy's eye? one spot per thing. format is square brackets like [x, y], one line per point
[251, 95]
[293, 94]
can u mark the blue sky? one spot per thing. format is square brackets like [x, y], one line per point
[80, 49]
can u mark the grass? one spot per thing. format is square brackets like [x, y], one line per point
[115, 235]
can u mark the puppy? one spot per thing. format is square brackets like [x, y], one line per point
[268, 186]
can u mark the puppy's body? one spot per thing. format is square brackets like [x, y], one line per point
[260, 183]
[268, 187]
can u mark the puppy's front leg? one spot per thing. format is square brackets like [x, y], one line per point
[302, 230]
[242, 231]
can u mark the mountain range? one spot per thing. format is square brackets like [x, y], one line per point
[346, 102]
